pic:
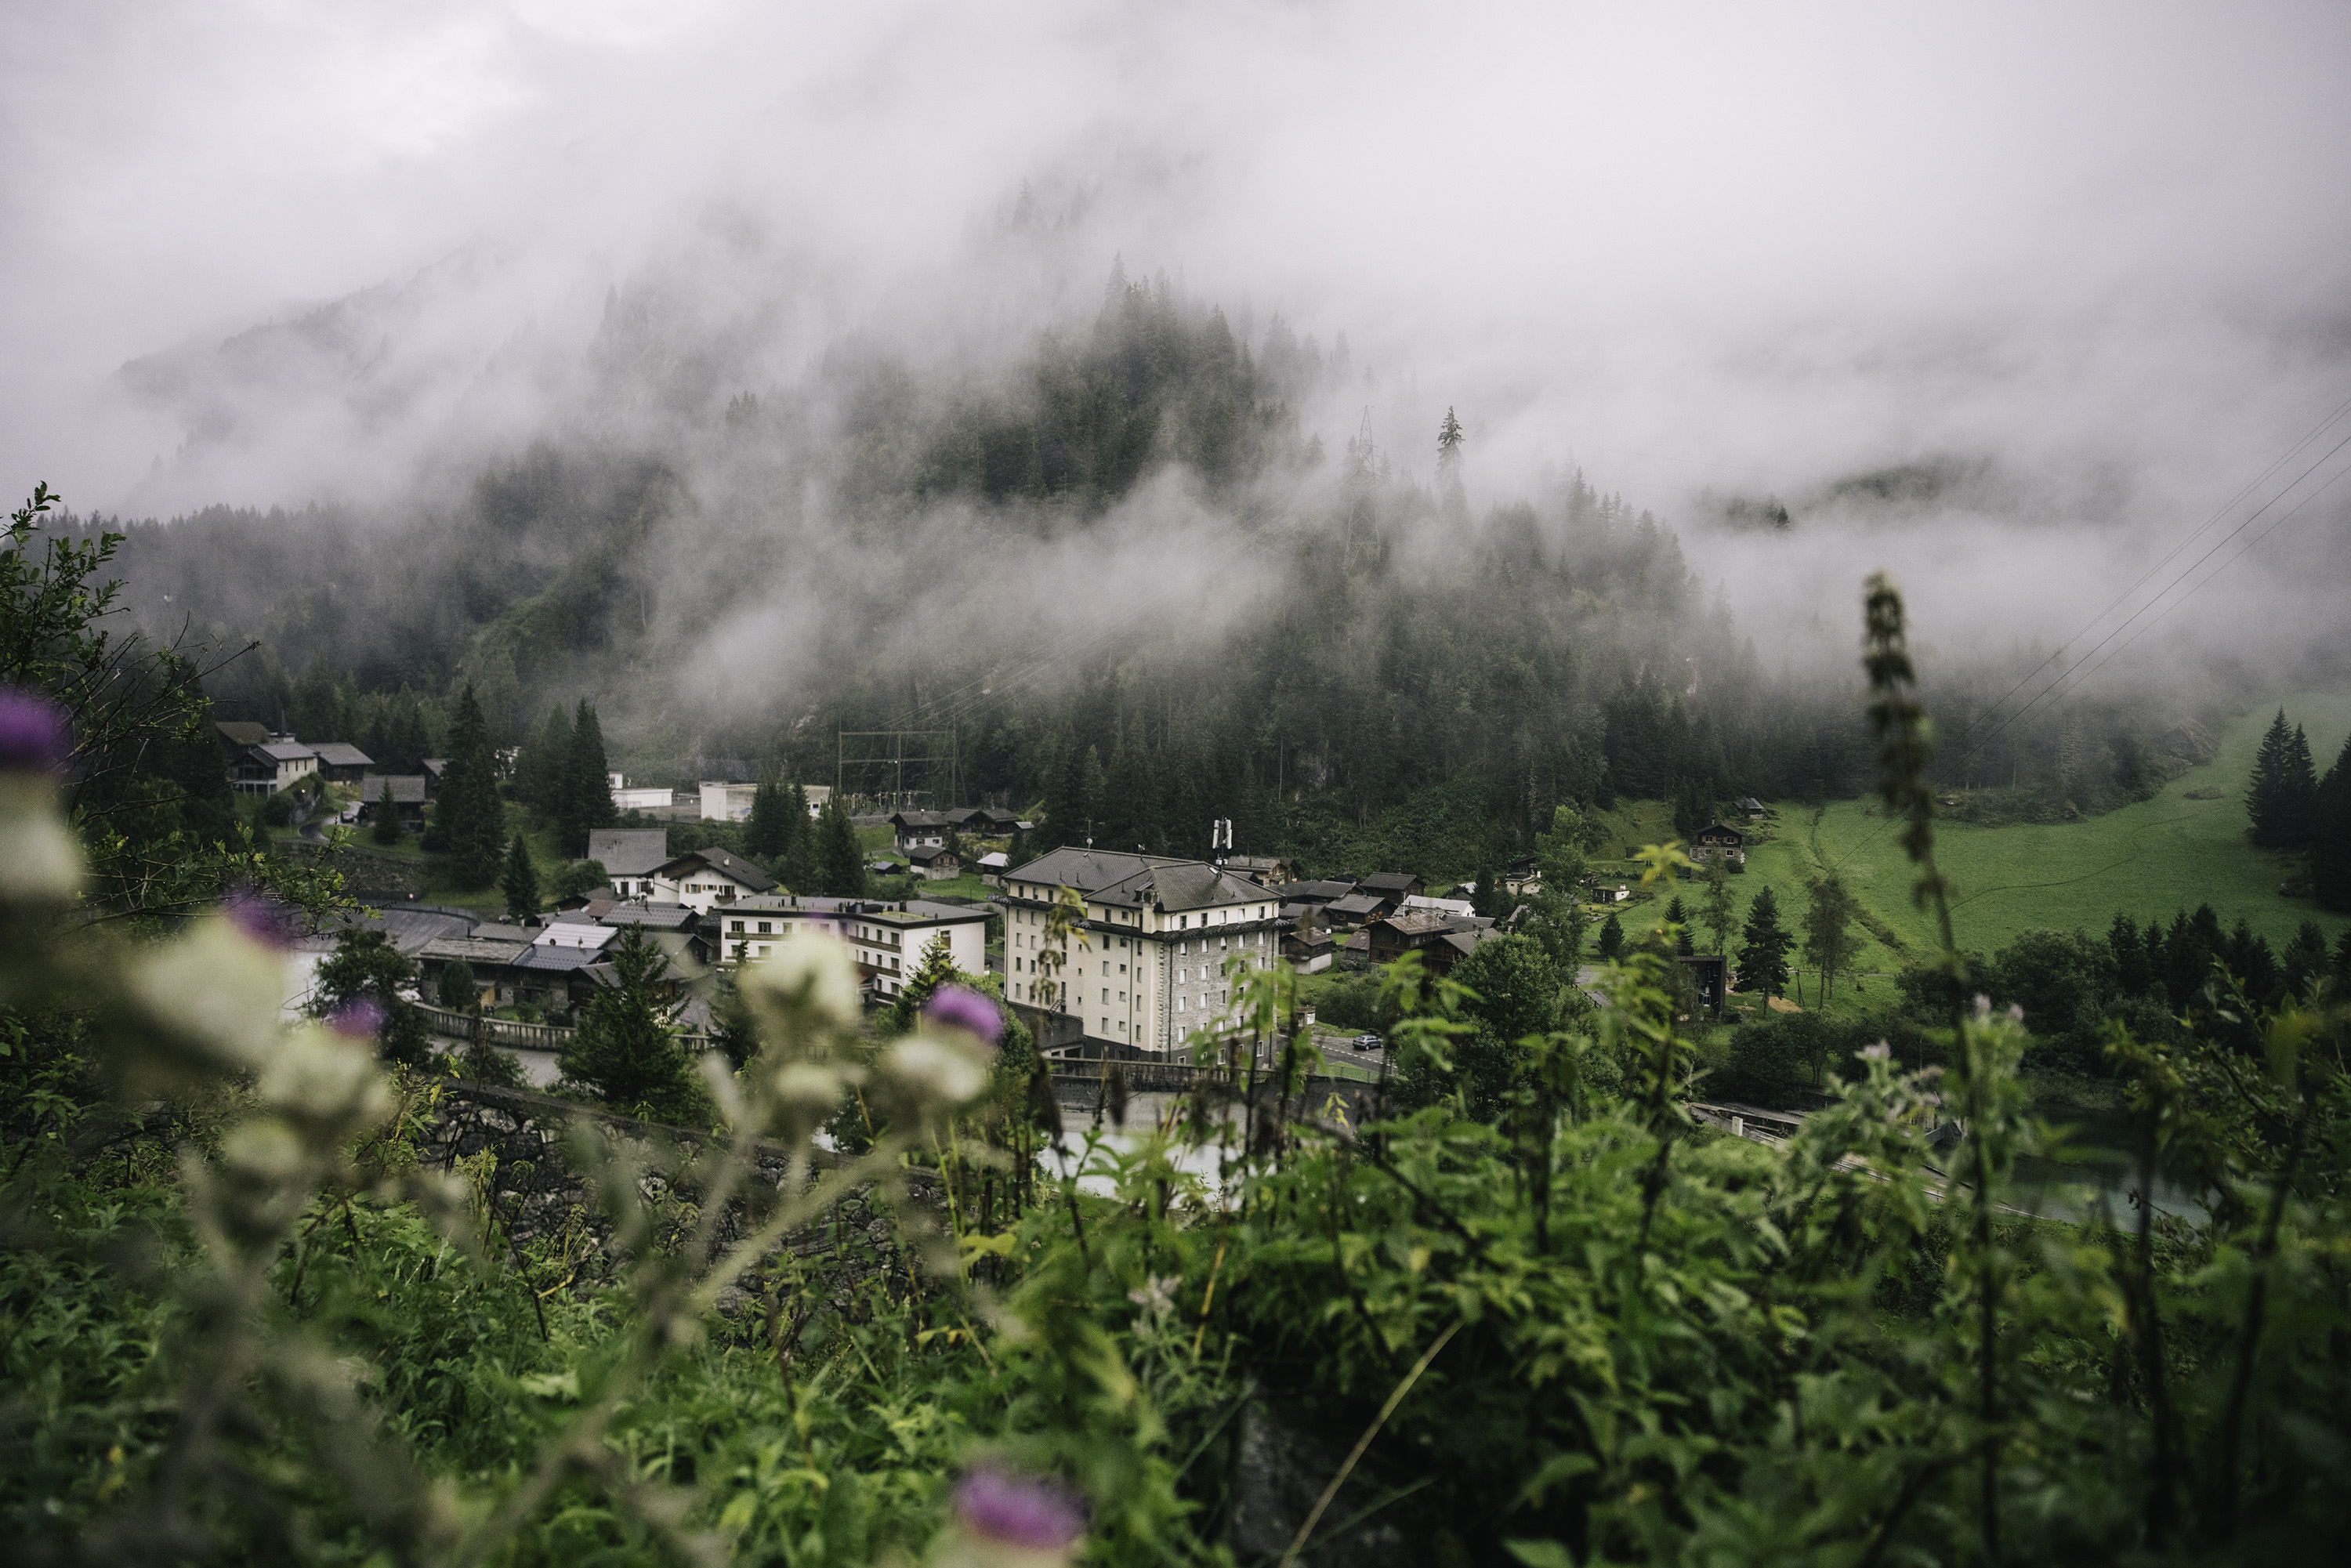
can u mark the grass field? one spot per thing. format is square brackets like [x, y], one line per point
[2149, 859]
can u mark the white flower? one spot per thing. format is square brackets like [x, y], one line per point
[812, 977]
[930, 1070]
[1157, 1298]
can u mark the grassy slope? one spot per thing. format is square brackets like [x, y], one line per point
[2149, 859]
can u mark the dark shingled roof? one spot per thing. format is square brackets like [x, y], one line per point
[1139, 881]
[1416, 922]
[724, 862]
[242, 732]
[1390, 882]
[407, 789]
[1357, 904]
[628, 852]
[342, 754]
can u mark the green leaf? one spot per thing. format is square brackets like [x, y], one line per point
[1540, 1554]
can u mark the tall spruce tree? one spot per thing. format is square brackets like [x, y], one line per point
[1559, 918]
[468, 819]
[841, 860]
[2330, 837]
[546, 764]
[519, 882]
[797, 867]
[623, 1051]
[1763, 947]
[2283, 796]
[587, 784]
[768, 833]
[1718, 911]
[387, 815]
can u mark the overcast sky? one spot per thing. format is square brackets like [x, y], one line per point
[2106, 248]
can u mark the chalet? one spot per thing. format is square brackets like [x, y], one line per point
[886, 939]
[490, 951]
[630, 856]
[275, 764]
[1314, 893]
[1310, 951]
[436, 771]
[936, 864]
[341, 762]
[700, 878]
[982, 822]
[1457, 944]
[1146, 969]
[1750, 806]
[992, 867]
[1412, 931]
[1718, 842]
[1393, 885]
[1710, 978]
[919, 829]
[407, 792]
[1357, 909]
[1441, 905]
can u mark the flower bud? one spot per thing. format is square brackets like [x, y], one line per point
[1003, 1521]
[935, 1072]
[35, 734]
[39, 861]
[959, 1007]
[809, 982]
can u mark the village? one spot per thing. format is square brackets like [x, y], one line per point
[1140, 968]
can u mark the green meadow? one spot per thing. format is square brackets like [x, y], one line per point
[2149, 859]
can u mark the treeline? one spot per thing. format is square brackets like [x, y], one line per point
[2291, 807]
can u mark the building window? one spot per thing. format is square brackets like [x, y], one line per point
[739, 927]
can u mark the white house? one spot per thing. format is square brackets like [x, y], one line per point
[640, 799]
[702, 878]
[630, 856]
[886, 939]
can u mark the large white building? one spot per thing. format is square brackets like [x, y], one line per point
[1158, 933]
[886, 939]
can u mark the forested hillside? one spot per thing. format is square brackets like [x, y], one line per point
[1118, 570]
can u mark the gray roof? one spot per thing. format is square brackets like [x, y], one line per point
[558, 958]
[407, 789]
[1314, 892]
[1358, 903]
[342, 754]
[1416, 922]
[1391, 881]
[932, 856]
[476, 953]
[243, 732]
[726, 863]
[918, 820]
[410, 930]
[628, 852]
[500, 931]
[284, 750]
[1138, 882]
[436, 765]
[650, 914]
[901, 912]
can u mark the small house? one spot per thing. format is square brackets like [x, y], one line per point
[1310, 951]
[936, 865]
[702, 878]
[1718, 842]
[919, 829]
[341, 762]
[407, 790]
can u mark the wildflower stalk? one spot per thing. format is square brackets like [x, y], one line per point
[1905, 745]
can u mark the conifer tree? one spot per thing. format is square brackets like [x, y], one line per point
[841, 860]
[1763, 947]
[623, 1051]
[768, 833]
[936, 968]
[468, 819]
[2330, 837]
[2281, 798]
[587, 784]
[519, 882]
[1131, 816]
[387, 815]
[1612, 939]
[797, 867]
[546, 764]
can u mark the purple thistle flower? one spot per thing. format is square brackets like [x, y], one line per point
[962, 1007]
[261, 917]
[35, 734]
[361, 1018]
[1037, 1515]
